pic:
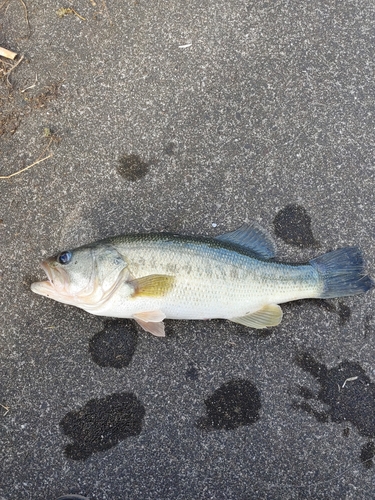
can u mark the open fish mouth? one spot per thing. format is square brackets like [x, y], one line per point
[55, 286]
[47, 270]
[43, 288]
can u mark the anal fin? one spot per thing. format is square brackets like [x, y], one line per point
[269, 315]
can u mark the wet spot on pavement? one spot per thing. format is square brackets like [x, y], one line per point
[192, 372]
[101, 424]
[170, 149]
[293, 225]
[367, 454]
[342, 310]
[325, 304]
[369, 324]
[346, 390]
[115, 345]
[234, 404]
[344, 313]
[132, 168]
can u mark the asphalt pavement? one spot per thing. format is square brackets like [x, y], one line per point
[190, 117]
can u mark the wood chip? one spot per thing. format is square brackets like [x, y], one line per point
[7, 53]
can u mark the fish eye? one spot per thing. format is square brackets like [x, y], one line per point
[64, 257]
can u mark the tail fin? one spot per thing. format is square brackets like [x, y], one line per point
[342, 273]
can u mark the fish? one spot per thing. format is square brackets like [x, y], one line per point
[235, 276]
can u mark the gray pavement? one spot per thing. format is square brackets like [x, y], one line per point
[190, 117]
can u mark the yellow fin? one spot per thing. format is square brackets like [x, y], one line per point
[269, 315]
[154, 285]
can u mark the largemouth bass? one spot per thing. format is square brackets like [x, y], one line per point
[150, 277]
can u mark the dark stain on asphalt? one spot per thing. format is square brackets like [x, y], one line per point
[342, 310]
[293, 225]
[348, 393]
[101, 424]
[170, 149]
[367, 454]
[346, 432]
[344, 313]
[132, 168]
[113, 346]
[325, 304]
[369, 324]
[192, 373]
[234, 404]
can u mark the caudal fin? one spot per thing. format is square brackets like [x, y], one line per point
[342, 272]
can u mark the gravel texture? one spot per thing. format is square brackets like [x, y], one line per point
[190, 117]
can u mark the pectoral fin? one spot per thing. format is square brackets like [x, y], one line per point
[154, 285]
[269, 315]
[152, 322]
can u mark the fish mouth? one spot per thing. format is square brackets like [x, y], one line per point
[42, 287]
[55, 287]
[44, 265]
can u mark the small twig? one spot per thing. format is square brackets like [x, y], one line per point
[48, 145]
[6, 408]
[76, 13]
[7, 3]
[33, 164]
[350, 379]
[4, 3]
[26, 168]
[12, 68]
[104, 4]
[26, 15]
[65, 11]
[31, 86]
[7, 53]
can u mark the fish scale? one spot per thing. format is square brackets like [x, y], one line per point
[255, 279]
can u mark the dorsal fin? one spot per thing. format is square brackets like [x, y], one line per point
[252, 237]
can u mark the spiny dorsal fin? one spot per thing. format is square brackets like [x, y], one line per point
[154, 285]
[269, 315]
[252, 237]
